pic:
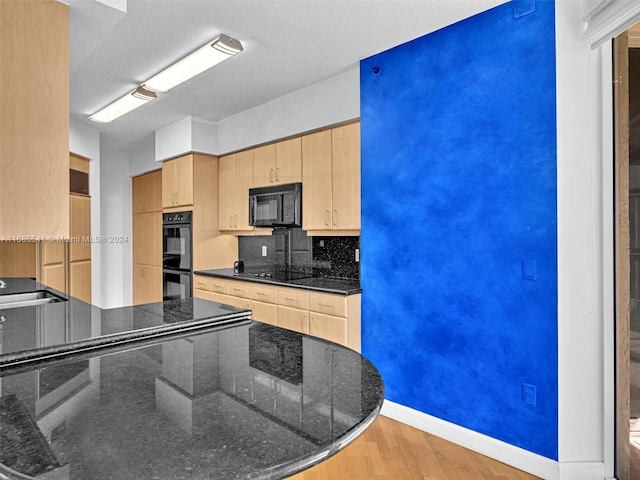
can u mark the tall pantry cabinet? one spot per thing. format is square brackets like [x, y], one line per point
[147, 237]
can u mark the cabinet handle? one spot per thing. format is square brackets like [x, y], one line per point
[230, 221]
[303, 319]
[277, 174]
[335, 218]
[237, 289]
[261, 294]
[294, 300]
[327, 213]
[271, 175]
[326, 305]
[235, 221]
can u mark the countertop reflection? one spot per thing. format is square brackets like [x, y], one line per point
[234, 401]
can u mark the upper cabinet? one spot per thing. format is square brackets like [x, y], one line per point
[177, 182]
[235, 180]
[147, 192]
[34, 119]
[331, 181]
[278, 163]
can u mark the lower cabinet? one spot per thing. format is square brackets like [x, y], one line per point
[147, 281]
[329, 316]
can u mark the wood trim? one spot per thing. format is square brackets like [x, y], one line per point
[78, 162]
[622, 255]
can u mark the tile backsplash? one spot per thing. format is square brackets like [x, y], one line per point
[292, 250]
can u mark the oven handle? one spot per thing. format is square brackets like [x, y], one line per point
[175, 271]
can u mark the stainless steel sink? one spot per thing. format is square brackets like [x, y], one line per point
[28, 299]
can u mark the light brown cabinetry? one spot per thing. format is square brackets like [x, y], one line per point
[147, 192]
[177, 182]
[147, 284]
[54, 265]
[34, 119]
[18, 259]
[236, 177]
[278, 163]
[147, 238]
[331, 181]
[329, 316]
[80, 247]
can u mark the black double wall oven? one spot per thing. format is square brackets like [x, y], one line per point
[177, 255]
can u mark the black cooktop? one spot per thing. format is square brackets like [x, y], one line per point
[274, 275]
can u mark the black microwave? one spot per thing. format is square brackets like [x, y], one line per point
[276, 206]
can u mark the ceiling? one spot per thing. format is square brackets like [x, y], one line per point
[288, 44]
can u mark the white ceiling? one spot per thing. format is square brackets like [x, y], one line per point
[289, 44]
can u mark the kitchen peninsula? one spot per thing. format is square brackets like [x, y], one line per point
[236, 399]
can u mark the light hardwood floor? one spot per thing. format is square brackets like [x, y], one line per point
[390, 450]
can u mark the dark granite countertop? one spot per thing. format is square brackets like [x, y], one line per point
[234, 401]
[338, 286]
[33, 332]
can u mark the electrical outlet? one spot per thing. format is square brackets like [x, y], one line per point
[264, 250]
[529, 394]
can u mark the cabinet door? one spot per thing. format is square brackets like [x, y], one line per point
[288, 161]
[183, 181]
[55, 276]
[264, 165]
[168, 183]
[293, 319]
[147, 284]
[80, 280]
[147, 239]
[265, 312]
[34, 119]
[346, 177]
[328, 327]
[147, 192]
[18, 259]
[225, 193]
[243, 181]
[316, 179]
[142, 193]
[80, 227]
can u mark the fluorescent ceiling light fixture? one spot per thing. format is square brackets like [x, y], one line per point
[205, 57]
[130, 101]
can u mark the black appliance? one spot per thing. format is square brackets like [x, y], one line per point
[276, 206]
[177, 248]
[276, 352]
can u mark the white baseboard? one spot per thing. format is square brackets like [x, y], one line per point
[517, 457]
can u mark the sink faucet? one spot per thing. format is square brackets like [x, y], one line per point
[3, 284]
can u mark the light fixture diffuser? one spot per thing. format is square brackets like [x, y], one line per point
[129, 102]
[205, 57]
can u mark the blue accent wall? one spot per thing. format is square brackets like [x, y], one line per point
[459, 263]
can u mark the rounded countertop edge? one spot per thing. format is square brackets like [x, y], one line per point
[27, 357]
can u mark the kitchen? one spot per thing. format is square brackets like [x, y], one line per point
[298, 113]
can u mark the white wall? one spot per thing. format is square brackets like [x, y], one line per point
[325, 103]
[143, 160]
[585, 320]
[115, 212]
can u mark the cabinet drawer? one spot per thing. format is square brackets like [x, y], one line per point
[294, 298]
[265, 312]
[330, 304]
[238, 302]
[265, 294]
[293, 319]
[201, 283]
[218, 285]
[240, 289]
[328, 327]
[211, 296]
